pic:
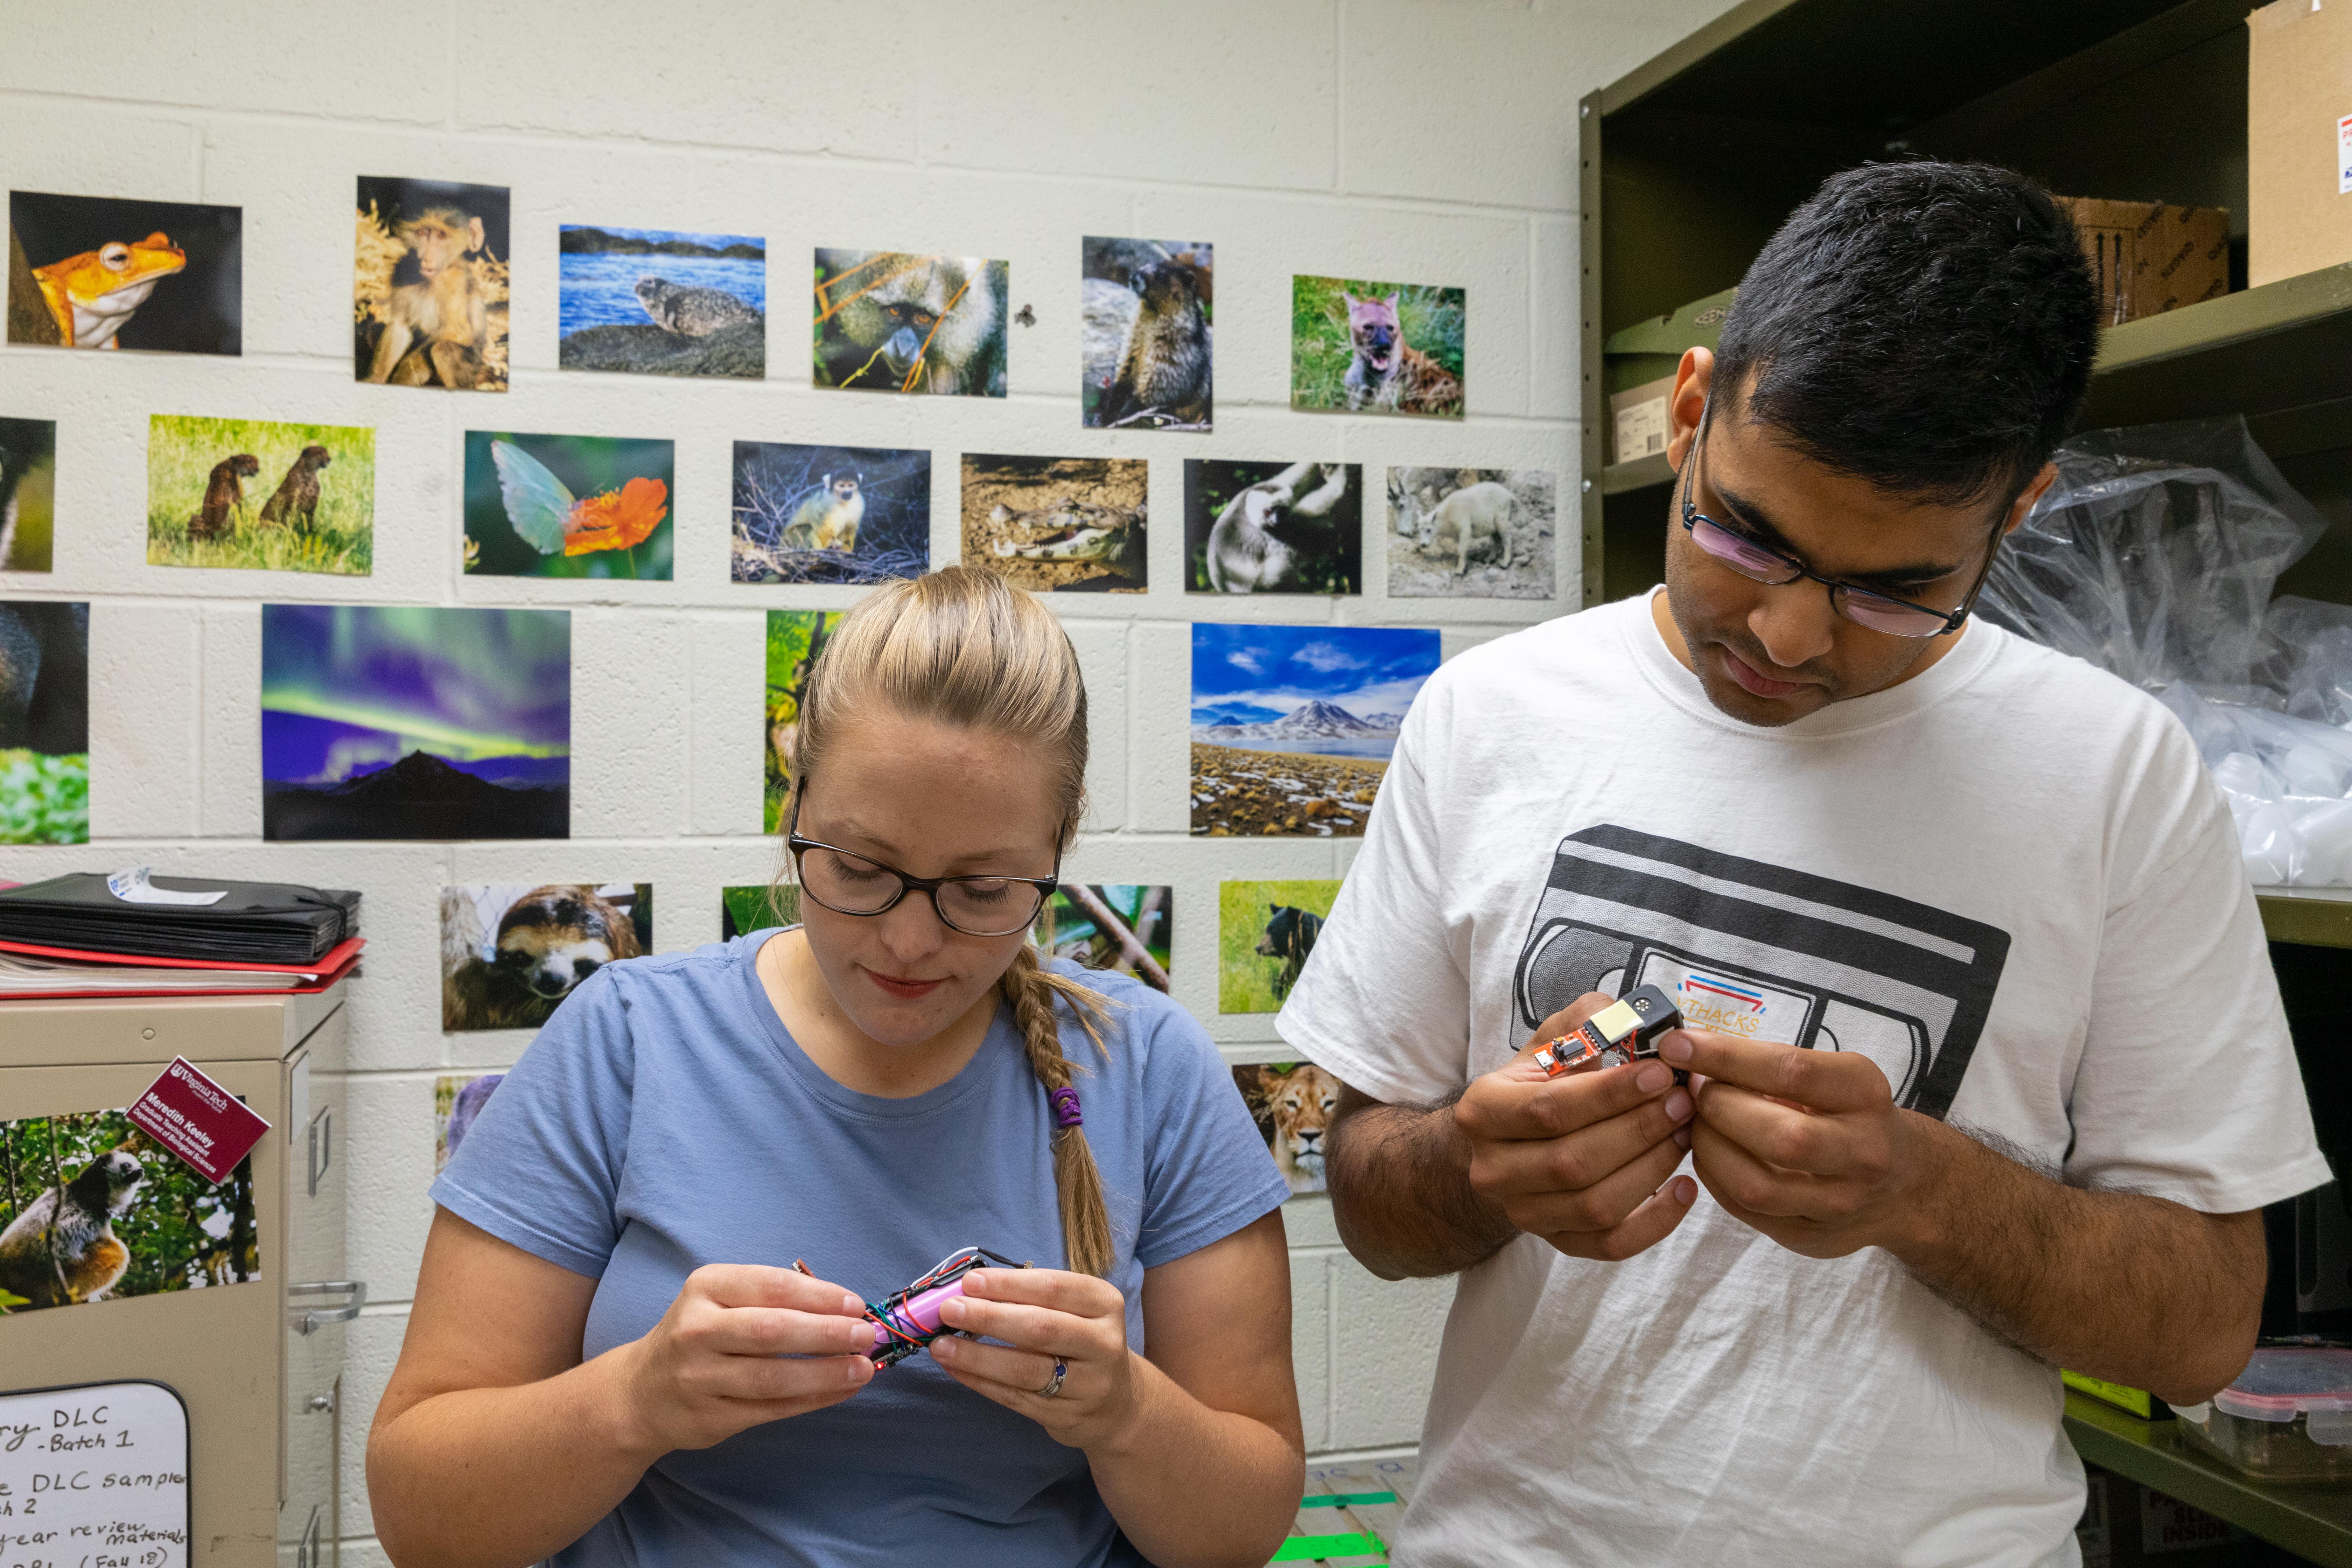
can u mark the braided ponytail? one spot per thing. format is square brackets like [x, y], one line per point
[964, 647]
[1031, 990]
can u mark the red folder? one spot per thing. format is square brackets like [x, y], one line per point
[335, 958]
[131, 988]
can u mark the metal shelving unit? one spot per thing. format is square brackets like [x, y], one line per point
[2313, 1523]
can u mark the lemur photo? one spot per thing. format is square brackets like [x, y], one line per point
[44, 721]
[1293, 1104]
[1273, 528]
[796, 637]
[568, 506]
[97, 272]
[829, 514]
[1122, 927]
[261, 496]
[92, 1210]
[1146, 309]
[1471, 534]
[28, 494]
[511, 952]
[1058, 524]
[659, 302]
[890, 321]
[429, 289]
[1264, 932]
[1376, 348]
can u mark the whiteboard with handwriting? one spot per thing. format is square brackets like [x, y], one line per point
[94, 1477]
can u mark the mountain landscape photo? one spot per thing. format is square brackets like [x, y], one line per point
[415, 723]
[1294, 726]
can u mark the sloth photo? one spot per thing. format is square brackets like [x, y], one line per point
[756, 906]
[659, 302]
[261, 496]
[888, 321]
[1146, 306]
[829, 514]
[1125, 928]
[568, 506]
[429, 287]
[796, 639]
[1471, 533]
[1058, 524]
[90, 1211]
[94, 272]
[511, 952]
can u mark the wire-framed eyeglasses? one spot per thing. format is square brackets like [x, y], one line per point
[1760, 563]
[849, 883]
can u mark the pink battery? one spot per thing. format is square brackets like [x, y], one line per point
[921, 1312]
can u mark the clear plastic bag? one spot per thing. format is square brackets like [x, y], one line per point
[2154, 556]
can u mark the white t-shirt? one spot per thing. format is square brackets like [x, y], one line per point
[2008, 880]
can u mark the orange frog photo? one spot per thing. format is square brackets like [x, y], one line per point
[80, 275]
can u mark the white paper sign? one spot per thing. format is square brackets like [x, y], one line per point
[132, 887]
[94, 1474]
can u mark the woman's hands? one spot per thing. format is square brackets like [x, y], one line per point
[741, 1345]
[1044, 1316]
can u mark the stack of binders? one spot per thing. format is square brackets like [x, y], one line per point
[132, 935]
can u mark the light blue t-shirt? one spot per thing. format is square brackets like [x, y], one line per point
[664, 1119]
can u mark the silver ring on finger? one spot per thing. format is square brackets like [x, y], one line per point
[1052, 1387]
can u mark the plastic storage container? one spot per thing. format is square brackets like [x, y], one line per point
[2287, 1417]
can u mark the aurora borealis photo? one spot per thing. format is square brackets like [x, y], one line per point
[415, 722]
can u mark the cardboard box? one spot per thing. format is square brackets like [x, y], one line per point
[1632, 357]
[1637, 420]
[2298, 139]
[2150, 256]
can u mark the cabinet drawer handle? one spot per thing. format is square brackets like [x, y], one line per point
[309, 1320]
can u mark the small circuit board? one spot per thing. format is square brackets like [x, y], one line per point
[1627, 1029]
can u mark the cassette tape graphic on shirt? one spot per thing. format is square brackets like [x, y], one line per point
[1764, 952]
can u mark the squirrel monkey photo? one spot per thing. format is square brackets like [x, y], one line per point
[828, 520]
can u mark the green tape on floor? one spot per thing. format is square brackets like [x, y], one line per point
[1312, 1548]
[1341, 1500]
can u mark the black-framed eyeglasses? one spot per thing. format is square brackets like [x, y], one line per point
[849, 883]
[1760, 562]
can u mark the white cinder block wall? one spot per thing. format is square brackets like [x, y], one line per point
[1415, 140]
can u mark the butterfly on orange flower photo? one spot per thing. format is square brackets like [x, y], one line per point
[567, 506]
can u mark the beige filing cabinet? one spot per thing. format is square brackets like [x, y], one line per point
[257, 1365]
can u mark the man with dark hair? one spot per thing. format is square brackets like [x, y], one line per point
[1987, 1072]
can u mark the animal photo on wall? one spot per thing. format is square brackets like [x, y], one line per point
[457, 1100]
[888, 321]
[29, 493]
[1376, 348]
[429, 291]
[44, 721]
[96, 272]
[1293, 726]
[568, 506]
[658, 302]
[1058, 524]
[1147, 307]
[249, 493]
[756, 906]
[509, 954]
[93, 1210]
[1471, 533]
[1273, 528]
[829, 514]
[1264, 932]
[415, 723]
[1293, 1104]
[1122, 927]
[796, 637]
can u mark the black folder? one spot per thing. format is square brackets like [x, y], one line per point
[253, 922]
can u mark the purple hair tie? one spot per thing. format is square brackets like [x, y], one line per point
[1065, 1102]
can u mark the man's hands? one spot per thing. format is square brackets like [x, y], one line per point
[1580, 1161]
[1807, 1146]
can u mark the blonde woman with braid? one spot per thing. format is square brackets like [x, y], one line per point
[613, 1358]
